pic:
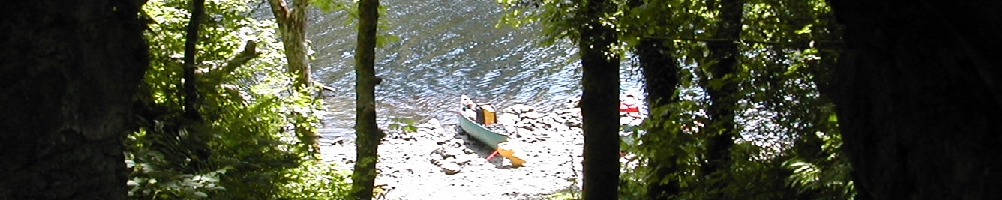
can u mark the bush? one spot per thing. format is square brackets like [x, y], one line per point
[244, 147]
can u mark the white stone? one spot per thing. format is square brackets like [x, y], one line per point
[507, 119]
[451, 168]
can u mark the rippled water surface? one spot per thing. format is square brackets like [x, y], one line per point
[446, 48]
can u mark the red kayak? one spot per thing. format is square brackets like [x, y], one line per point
[628, 108]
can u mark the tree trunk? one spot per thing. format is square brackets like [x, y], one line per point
[918, 94]
[368, 132]
[660, 71]
[292, 25]
[191, 38]
[599, 103]
[67, 76]
[661, 79]
[721, 90]
[200, 139]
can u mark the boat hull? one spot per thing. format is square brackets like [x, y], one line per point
[490, 138]
[496, 141]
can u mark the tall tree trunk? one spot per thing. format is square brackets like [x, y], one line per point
[191, 38]
[918, 94]
[201, 149]
[367, 132]
[599, 102]
[721, 90]
[661, 79]
[292, 25]
[67, 75]
[660, 70]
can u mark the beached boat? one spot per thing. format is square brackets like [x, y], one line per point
[481, 133]
[498, 142]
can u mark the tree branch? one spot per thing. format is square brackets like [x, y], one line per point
[249, 52]
[240, 59]
[324, 87]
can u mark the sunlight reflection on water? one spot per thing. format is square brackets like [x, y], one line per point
[446, 48]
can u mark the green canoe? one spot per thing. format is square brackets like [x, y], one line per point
[495, 140]
[480, 133]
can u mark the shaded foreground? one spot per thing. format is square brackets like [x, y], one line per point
[919, 97]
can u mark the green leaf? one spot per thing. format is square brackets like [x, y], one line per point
[805, 30]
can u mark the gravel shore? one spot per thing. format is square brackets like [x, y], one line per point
[440, 162]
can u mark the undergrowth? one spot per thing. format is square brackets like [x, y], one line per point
[244, 146]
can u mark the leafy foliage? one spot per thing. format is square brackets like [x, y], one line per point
[823, 177]
[316, 180]
[789, 141]
[350, 7]
[559, 18]
[403, 124]
[244, 148]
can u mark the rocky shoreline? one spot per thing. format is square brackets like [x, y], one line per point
[440, 162]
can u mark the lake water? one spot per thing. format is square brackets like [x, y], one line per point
[446, 48]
